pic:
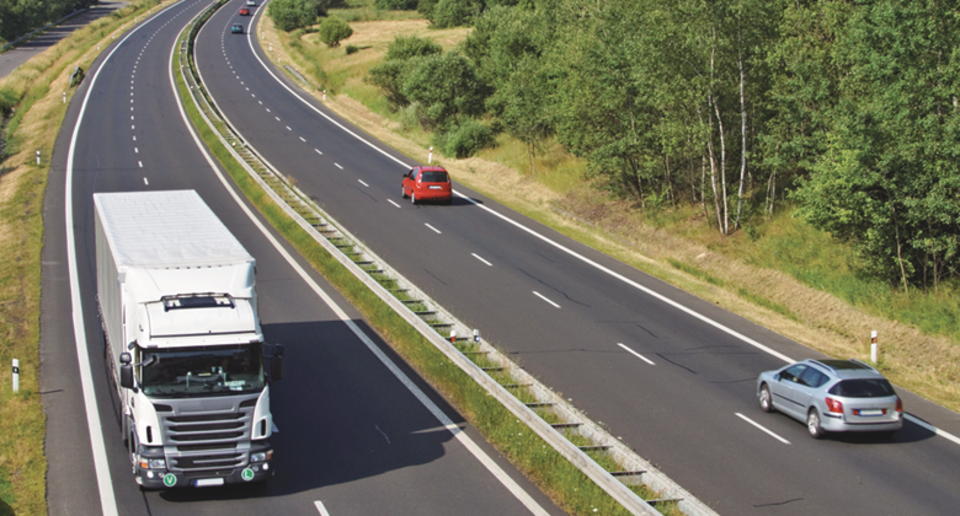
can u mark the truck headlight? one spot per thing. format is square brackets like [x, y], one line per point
[261, 456]
[153, 464]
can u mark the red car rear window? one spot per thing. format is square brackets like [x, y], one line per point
[435, 177]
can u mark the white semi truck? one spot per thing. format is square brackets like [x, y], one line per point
[183, 341]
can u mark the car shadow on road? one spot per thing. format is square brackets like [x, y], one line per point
[910, 433]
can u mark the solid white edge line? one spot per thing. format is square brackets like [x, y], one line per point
[628, 281]
[108, 501]
[923, 424]
[541, 296]
[435, 230]
[761, 427]
[477, 256]
[447, 423]
[323, 510]
[634, 353]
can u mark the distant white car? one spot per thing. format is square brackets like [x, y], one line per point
[251, 3]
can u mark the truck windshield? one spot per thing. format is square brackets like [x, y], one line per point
[202, 371]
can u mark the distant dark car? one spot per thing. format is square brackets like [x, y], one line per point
[428, 184]
[244, 11]
[832, 396]
[237, 28]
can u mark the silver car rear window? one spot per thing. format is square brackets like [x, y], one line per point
[863, 388]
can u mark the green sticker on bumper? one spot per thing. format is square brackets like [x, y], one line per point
[247, 474]
[169, 480]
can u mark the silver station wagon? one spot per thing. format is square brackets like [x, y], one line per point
[832, 396]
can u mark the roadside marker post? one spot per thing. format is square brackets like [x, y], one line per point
[873, 347]
[16, 376]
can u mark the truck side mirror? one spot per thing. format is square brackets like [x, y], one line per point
[276, 363]
[126, 371]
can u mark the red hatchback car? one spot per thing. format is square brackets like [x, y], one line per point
[428, 184]
[244, 11]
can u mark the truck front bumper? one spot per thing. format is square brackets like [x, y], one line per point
[165, 479]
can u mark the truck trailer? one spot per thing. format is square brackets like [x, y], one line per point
[182, 341]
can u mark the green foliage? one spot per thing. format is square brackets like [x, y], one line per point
[333, 30]
[454, 13]
[405, 47]
[465, 140]
[397, 5]
[447, 85]
[19, 17]
[8, 99]
[888, 179]
[290, 15]
[352, 49]
[389, 75]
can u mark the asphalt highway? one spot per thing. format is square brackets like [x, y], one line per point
[674, 379]
[357, 435]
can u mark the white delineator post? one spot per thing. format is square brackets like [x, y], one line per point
[873, 347]
[430, 156]
[16, 375]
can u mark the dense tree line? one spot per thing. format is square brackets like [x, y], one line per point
[19, 17]
[848, 108]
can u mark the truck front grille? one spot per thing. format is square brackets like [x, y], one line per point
[206, 441]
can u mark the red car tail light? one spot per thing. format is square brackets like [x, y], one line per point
[899, 406]
[834, 405]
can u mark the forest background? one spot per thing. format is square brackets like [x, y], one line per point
[847, 110]
[18, 17]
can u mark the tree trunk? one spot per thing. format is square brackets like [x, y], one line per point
[743, 132]
[723, 171]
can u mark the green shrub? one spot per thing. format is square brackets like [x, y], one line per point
[352, 49]
[454, 13]
[8, 99]
[389, 74]
[396, 5]
[465, 140]
[289, 15]
[333, 30]
[447, 85]
[405, 47]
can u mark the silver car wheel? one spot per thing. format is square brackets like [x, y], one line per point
[766, 404]
[813, 424]
[413, 198]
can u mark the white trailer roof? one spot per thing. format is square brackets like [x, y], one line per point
[166, 229]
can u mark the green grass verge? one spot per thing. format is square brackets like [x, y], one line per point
[34, 125]
[566, 484]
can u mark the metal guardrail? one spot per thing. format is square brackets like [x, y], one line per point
[434, 323]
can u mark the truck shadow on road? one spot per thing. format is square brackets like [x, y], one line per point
[341, 415]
